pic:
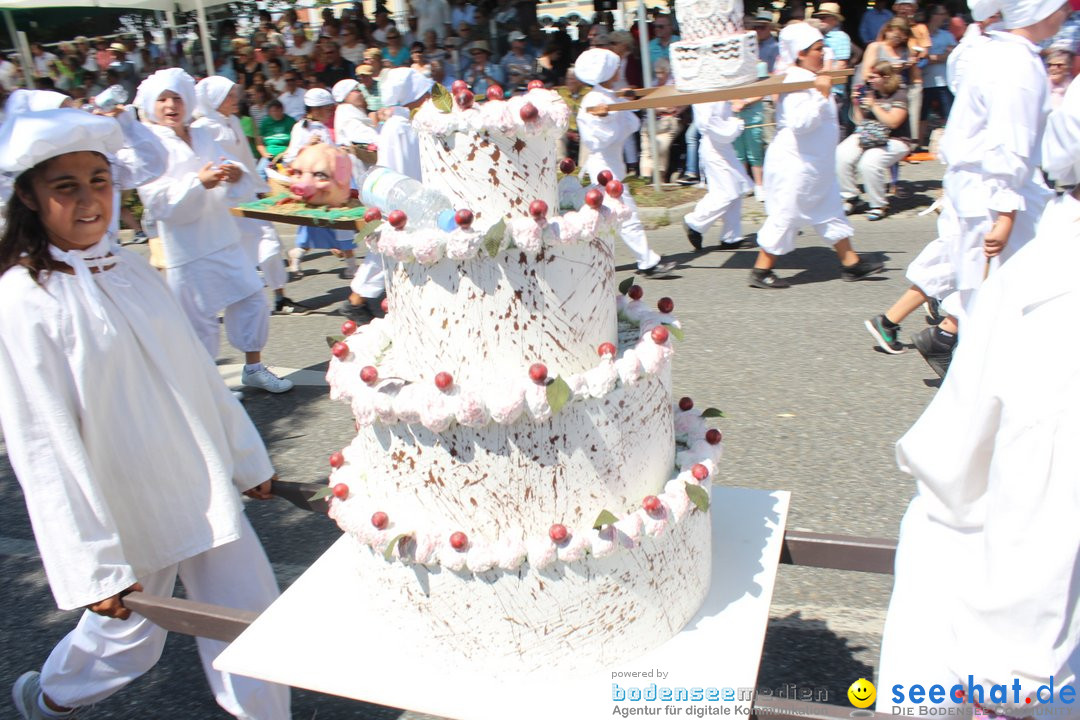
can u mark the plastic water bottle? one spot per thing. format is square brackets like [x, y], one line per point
[110, 97]
[389, 190]
[762, 69]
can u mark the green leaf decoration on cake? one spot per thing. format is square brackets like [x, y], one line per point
[493, 238]
[675, 330]
[322, 493]
[625, 285]
[698, 495]
[331, 339]
[362, 234]
[712, 413]
[441, 98]
[606, 517]
[558, 393]
[388, 554]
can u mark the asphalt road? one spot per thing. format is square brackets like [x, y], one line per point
[812, 407]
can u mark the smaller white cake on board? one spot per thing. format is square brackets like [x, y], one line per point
[715, 50]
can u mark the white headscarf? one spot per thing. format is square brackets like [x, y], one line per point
[342, 88]
[596, 65]
[209, 94]
[29, 139]
[795, 38]
[1015, 13]
[402, 86]
[173, 79]
[21, 101]
[1060, 156]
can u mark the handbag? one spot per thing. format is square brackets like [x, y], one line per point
[872, 134]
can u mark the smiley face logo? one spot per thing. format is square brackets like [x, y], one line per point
[862, 693]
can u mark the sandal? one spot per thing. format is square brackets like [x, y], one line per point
[876, 214]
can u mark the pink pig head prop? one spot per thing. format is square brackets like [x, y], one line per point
[320, 175]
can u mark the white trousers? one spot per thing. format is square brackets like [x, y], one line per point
[262, 245]
[873, 165]
[778, 238]
[370, 278]
[632, 233]
[247, 324]
[102, 655]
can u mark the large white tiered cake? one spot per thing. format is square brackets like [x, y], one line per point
[714, 49]
[510, 397]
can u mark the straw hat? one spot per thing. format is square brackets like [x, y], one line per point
[829, 8]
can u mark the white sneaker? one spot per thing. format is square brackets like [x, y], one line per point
[266, 380]
[295, 255]
[759, 193]
[25, 694]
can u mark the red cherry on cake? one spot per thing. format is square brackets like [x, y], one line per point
[339, 350]
[686, 404]
[538, 373]
[614, 189]
[534, 84]
[558, 533]
[605, 349]
[604, 177]
[538, 209]
[636, 292]
[444, 380]
[659, 334]
[372, 214]
[336, 459]
[369, 374]
[379, 520]
[463, 218]
[397, 218]
[459, 540]
[341, 491]
[458, 86]
[529, 112]
[713, 436]
[651, 503]
[464, 99]
[567, 165]
[385, 305]
[348, 327]
[699, 471]
[494, 92]
[665, 305]
[594, 198]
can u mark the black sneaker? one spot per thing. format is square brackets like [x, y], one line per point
[689, 179]
[359, 314]
[860, 270]
[936, 352]
[932, 306]
[886, 339]
[767, 280]
[693, 236]
[661, 268]
[288, 306]
[744, 243]
[140, 238]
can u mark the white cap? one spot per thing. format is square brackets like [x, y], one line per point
[797, 37]
[342, 88]
[401, 86]
[318, 97]
[21, 101]
[1015, 13]
[31, 138]
[1059, 157]
[173, 79]
[596, 65]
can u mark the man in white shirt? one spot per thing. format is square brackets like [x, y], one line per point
[433, 15]
[293, 97]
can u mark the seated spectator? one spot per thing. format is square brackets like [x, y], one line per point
[482, 73]
[396, 51]
[517, 65]
[880, 139]
[275, 76]
[351, 47]
[335, 67]
[293, 97]
[1058, 67]
[548, 65]
[257, 98]
[246, 67]
[432, 49]
[439, 74]
[419, 62]
[369, 87]
[274, 131]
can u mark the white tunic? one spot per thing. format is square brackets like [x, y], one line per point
[129, 448]
[604, 136]
[399, 145]
[801, 186]
[996, 459]
[352, 125]
[727, 179]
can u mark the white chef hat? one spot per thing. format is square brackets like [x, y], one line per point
[402, 86]
[21, 101]
[342, 88]
[210, 92]
[30, 138]
[795, 38]
[596, 65]
[318, 97]
[1060, 159]
[173, 79]
[1015, 13]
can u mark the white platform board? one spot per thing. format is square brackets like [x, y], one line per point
[317, 637]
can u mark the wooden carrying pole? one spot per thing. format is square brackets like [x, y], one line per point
[668, 95]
